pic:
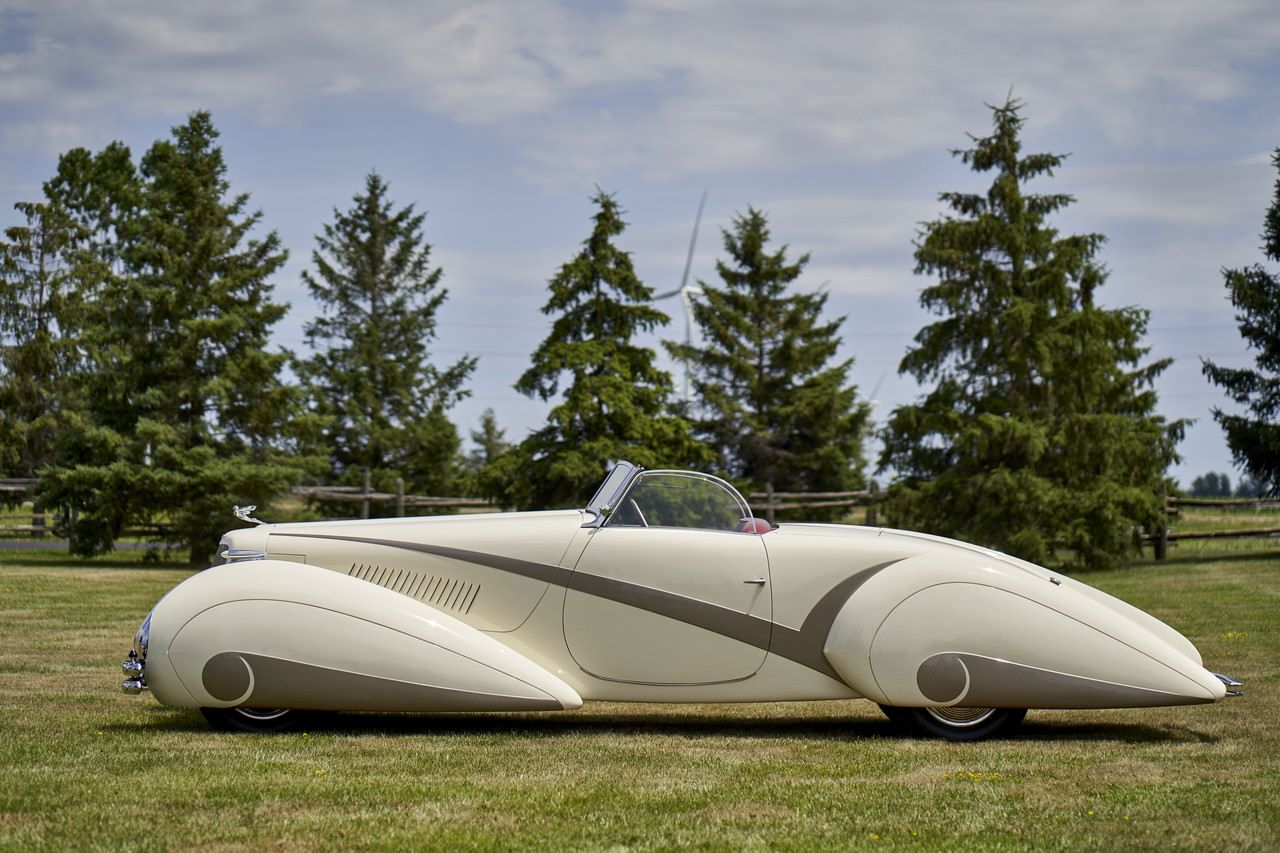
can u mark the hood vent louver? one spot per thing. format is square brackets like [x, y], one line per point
[439, 591]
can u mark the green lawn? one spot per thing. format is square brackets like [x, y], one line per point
[83, 766]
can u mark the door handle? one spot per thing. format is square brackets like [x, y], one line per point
[756, 581]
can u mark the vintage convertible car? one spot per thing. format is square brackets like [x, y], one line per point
[664, 588]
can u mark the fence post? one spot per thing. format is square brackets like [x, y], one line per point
[768, 506]
[400, 497]
[364, 504]
[1162, 535]
[871, 507]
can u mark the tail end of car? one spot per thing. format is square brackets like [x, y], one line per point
[967, 630]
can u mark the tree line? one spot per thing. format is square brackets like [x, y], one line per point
[135, 380]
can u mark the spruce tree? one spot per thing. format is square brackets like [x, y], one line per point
[1254, 437]
[37, 350]
[182, 406]
[371, 377]
[1039, 436]
[771, 399]
[490, 441]
[614, 401]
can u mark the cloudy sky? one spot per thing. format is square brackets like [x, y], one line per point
[834, 116]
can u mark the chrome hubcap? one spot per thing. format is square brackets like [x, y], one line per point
[961, 717]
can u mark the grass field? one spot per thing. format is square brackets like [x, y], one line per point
[83, 766]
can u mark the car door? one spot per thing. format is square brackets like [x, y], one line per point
[667, 590]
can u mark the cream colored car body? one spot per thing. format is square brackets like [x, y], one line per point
[544, 610]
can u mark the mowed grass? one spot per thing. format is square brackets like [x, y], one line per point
[84, 766]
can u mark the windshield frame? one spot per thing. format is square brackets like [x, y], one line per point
[618, 479]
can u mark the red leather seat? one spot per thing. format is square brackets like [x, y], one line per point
[755, 525]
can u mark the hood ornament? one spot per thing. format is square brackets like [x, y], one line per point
[245, 513]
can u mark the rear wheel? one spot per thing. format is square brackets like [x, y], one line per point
[254, 719]
[956, 723]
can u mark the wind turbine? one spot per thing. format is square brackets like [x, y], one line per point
[686, 293]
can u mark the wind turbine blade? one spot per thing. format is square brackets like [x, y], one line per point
[874, 399]
[693, 240]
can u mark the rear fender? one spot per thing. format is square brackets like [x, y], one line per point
[966, 628]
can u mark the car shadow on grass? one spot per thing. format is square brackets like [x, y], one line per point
[780, 727]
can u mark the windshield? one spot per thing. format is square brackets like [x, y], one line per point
[680, 499]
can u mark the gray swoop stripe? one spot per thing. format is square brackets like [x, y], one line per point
[280, 683]
[803, 645]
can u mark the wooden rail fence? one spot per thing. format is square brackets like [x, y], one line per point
[362, 495]
[768, 503]
[771, 501]
[365, 496]
[1160, 539]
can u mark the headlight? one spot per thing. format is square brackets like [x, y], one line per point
[142, 638]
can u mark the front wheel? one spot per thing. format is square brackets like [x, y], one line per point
[956, 723]
[254, 719]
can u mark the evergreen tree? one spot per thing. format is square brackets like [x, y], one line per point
[490, 441]
[1040, 433]
[37, 351]
[371, 377]
[182, 405]
[1248, 488]
[1211, 485]
[771, 401]
[1254, 438]
[615, 401]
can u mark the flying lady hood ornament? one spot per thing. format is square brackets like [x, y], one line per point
[245, 513]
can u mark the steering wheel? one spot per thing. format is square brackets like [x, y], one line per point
[639, 514]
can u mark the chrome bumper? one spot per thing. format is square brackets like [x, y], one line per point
[1230, 683]
[135, 674]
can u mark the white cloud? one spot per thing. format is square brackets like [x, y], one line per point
[45, 137]
[1164, 194]
[693, 87]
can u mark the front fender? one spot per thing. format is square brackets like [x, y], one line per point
[276, 634]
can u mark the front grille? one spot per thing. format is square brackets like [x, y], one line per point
[441, 591]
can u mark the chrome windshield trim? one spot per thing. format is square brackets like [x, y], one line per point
[606, 497]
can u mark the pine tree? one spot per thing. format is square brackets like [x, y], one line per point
[183, 407]
[1211, 485]
[491, 444]
[1040, 433]
[615, 400]
[37, 351]
[771, 401]
[371, 376]
[1254, 438]
[490, 441]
